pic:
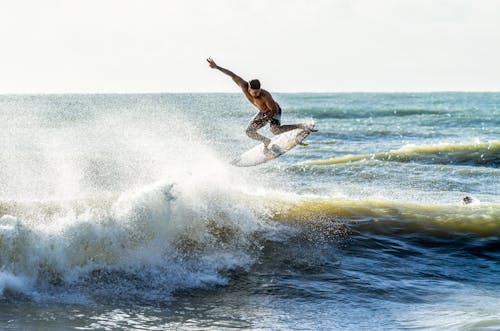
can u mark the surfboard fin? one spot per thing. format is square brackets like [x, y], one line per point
[303, 144]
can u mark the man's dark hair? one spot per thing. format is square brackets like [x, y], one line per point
[254, 84]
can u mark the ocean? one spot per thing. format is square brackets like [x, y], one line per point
[123, 212]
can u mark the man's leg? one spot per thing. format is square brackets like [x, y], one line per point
[277, 128]
[255, 124]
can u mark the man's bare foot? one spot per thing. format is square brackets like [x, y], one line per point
[267, 152]
[308, 126]
[266, 142]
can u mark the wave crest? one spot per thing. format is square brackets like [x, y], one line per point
[481, 219]
[163, 237]
[483, 154]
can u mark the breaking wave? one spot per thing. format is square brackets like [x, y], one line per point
[475, 154]
[170, 236]
[477, 218]
[152, 242]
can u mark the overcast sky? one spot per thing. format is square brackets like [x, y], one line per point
[290, 45]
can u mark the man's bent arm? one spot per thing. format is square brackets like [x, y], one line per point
[237, 79]
[273, 106]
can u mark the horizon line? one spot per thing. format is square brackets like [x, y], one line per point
[238, 92]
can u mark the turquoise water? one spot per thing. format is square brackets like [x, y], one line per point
[123, 212]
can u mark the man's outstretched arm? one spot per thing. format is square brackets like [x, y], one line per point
[237, 79]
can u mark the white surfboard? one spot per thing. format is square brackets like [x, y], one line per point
[279, 145]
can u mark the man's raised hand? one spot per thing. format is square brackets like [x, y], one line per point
[211, 63]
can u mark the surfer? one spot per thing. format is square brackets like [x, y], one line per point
[467, 200]
[269, 110]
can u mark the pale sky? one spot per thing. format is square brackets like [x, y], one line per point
[126, 46]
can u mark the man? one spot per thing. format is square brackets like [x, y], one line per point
[269, 110]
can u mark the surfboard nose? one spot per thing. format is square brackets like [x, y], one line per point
[309, 126]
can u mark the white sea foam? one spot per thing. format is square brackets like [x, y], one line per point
[163, 236]
[13, 283]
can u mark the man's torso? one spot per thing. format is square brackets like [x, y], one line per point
[262, 101]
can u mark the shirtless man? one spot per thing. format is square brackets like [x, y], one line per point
[269, 110]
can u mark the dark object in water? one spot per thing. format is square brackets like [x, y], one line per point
[467, 200]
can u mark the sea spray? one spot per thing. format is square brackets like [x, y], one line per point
[112, 197]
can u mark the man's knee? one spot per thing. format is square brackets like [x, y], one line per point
[275, 129]
[250, 131]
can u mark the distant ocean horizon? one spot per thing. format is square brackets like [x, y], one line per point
[235, 91]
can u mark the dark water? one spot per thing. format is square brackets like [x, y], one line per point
[123, 212]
